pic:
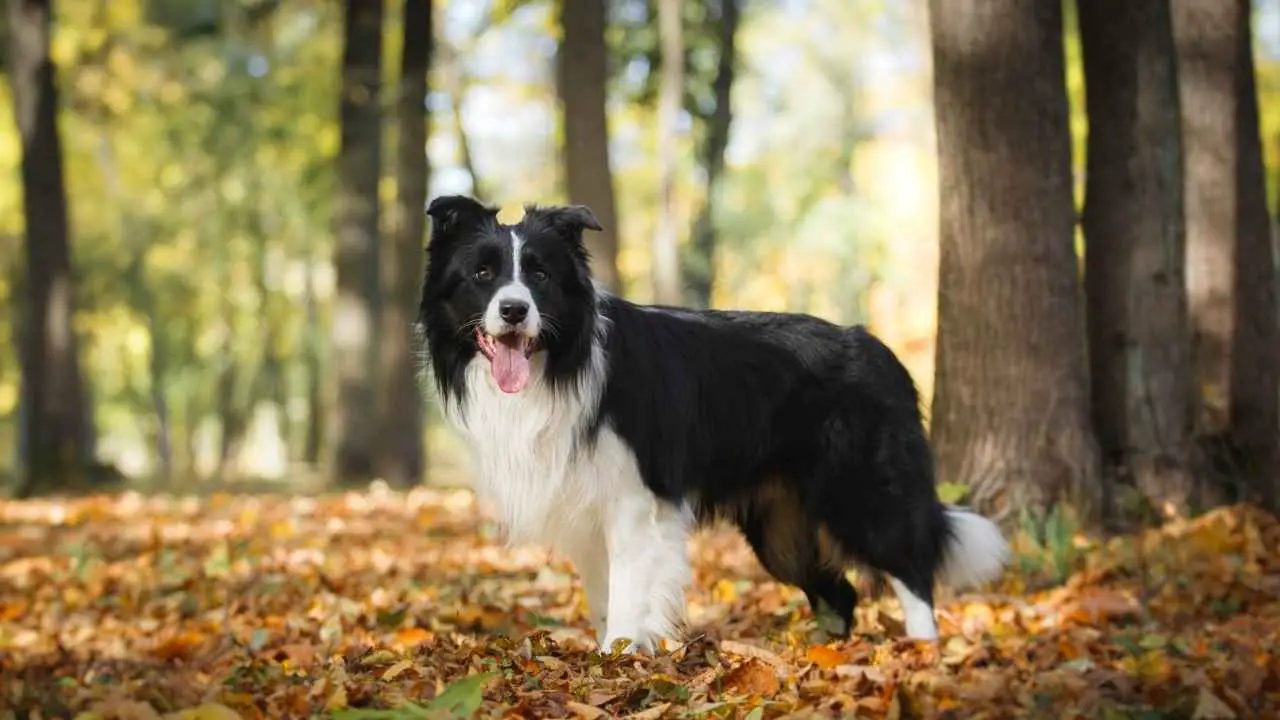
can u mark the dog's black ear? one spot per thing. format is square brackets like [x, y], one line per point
[579, 216]
[448, 213]
[571, 219]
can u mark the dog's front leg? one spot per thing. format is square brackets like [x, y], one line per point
[590, 557]
[648, 569]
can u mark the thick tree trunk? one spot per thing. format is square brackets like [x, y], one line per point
[1135, 251]
[356, 312]
[664, 252]
[1011, 405]
[1254, 417]
[700, 271]
[55, 400]
[581, 81]
[1230, 276]
[1205, 33]
[400, 460]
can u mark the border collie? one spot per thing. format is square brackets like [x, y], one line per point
[609, 431]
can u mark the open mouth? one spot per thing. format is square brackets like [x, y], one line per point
[508, 356]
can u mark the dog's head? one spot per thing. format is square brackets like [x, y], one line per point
[506, 292]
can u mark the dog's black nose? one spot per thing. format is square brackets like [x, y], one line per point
[513, 311]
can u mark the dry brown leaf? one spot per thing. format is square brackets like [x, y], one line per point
[750, 651]
[652, 713]
[207, 711]
[587, 712]
[1210, 707]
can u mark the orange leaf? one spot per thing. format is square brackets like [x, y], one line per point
[824, 656]
[753, 677]
[183, 645]
[413, 636]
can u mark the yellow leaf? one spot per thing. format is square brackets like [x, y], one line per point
[395, 670]
[337, 700]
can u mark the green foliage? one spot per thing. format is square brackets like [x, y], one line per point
[1045, 549]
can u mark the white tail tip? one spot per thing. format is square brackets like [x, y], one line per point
[976, 551]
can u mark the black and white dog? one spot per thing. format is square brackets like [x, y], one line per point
[609, 430]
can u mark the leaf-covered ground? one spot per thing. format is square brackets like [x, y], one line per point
[279, 607]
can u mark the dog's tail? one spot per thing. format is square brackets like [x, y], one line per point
[975, 551]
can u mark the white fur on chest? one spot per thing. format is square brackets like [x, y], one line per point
[531, 466]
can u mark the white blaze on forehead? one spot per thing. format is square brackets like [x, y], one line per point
[514, 290]
[516, 244]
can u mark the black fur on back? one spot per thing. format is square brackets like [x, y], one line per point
[806, 435]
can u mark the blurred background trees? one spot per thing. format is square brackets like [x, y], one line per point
[211, 237]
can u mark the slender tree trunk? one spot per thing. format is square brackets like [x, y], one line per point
[1139, 340]
[665, 250]
[401, 434]
[356, 314]
[1230, 263]
[456, 86]
[700, 272]
[56, 433]
[1254, 417]
[315, 394]
[1011, 404]
[581, 81]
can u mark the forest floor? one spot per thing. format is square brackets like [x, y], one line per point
[276, 607]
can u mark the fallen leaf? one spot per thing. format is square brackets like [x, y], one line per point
[207, 711]
[652, 713]
[1210, 707]
[750, 651]
[587, 712]
[395, 670]
[824, 656]
[753, 677]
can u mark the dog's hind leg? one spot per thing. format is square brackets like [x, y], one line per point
[787, 546]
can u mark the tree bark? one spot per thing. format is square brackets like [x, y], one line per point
[57, 436]
[1230, 265]
[1254, 417]
[356, 312]
[400, 438]
[581, 81]
[665, 250]
[1135, 253]
[1011, 406]
[1205, 33]
[700, 272]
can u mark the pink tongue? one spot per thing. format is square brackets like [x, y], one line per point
[510, 367]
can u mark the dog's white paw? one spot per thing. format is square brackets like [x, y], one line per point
[629, 645]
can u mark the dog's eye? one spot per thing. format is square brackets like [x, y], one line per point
[484, 274]
[539, 276]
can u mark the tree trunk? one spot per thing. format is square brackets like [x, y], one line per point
[56, 433]
[315, 373]
[1230, 266]
[1011, 404]
[1205, 33]
[665, 250]
[400, 438]
[356, 312]
[700, 271]
[1135, 253]
[1254, 417]
[581, 81]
